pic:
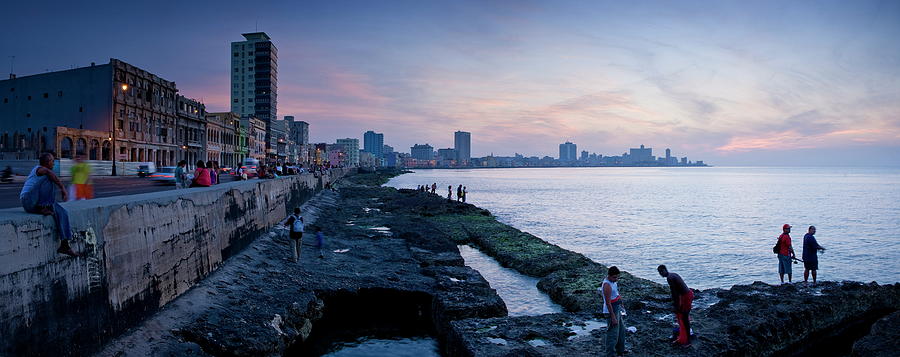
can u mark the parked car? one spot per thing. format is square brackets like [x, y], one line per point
[165, 175]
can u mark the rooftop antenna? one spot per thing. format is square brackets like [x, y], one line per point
[12, 61]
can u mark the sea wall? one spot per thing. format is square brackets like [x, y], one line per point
[138, 253]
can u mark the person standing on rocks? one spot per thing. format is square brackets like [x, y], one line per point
[612, 307]
[295, 223]
[320, 242]
[810, 254]
[434, 187]
[785, 253]
[450, 193]
[464, 194]
[459, 193]
[682, 297]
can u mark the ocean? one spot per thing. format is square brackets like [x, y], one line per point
[715, 226]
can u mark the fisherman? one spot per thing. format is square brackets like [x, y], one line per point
[39, 196]
[459, 193]
[612, 306]
[811, 248]
[682, 297]
[785, 253]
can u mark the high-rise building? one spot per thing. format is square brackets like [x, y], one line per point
[373, 143]
[585, 155]
[299, 130]
[422, 152]
[254, 81]
[640, 155]
[568, 151]
[351, 149]
[462, 142]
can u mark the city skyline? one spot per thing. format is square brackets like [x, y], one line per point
[811, 84]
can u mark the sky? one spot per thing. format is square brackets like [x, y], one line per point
[728, 82]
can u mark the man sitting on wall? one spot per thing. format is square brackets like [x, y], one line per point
[39, 196]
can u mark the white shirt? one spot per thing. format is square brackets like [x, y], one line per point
[614, 292]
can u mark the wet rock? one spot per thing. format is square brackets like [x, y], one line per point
[883, 339]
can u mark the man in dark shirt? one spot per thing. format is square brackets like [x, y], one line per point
[810, 257]
[682, 297]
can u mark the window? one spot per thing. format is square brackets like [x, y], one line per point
[46, 95]
[235, 69]
[235, 100]
[29, 97]
[5, 100]
[237, 54]
[81, 109]
[28, 115]
[249, 68]
[59, 94]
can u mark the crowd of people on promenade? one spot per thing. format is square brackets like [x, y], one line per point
[683, 297]
[461, 191]
[39, 192]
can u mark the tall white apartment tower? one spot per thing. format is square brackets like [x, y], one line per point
[254, 81]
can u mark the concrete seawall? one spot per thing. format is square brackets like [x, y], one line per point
[140, 252]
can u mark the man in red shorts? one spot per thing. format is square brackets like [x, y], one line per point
[682, 297]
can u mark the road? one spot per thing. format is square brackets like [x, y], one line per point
[105, 186]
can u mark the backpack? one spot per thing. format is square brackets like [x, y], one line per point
[297, 226]
[777, 246]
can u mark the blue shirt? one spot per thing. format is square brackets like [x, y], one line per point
[810, 246]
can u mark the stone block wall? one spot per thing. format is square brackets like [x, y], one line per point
[140, 252]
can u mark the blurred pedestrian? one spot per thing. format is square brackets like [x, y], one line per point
[811, 249]
[682, 297]
[82, 188]
[213, 175]
[39, 196]
[320, 242]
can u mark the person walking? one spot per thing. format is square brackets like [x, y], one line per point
[459, 193]
[785, 253]
[612, 306]
[682, 297]
[450, 193]
[320, 242]
[82, 188]
[180, 175]
[213, 175]
[811, 249]
[201, 176]
[295, 223]
[39, 196]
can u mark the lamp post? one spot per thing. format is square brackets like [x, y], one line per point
[112, 148]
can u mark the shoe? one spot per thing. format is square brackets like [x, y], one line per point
[64, 248]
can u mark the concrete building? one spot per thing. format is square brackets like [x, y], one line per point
[254, 81]
[640, 155]
[568, 152]
[299, 135]
[222, 138]
[585, 155]
[374, 143]
[256, 137]
[422, 152]
[191, 130]
[351, 149]
[73, 112]
[447, 154]
[278, 132]
[462, 143]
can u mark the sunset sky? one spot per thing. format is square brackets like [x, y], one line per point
[732, 83]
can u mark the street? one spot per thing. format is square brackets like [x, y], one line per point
[104, 186]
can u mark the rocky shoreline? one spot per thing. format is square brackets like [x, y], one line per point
[393, 269]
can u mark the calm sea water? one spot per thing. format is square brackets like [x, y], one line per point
[715, 226]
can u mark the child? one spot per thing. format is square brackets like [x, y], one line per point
[295, 223]
[320, 242]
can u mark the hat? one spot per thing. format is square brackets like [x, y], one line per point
[786, 226]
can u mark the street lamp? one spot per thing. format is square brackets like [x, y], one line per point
[112, 115]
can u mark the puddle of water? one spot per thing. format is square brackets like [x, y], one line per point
[496, 341]
[402, 347]
[537, 342]
[589, 325]
[367, 210]
[518, 291]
